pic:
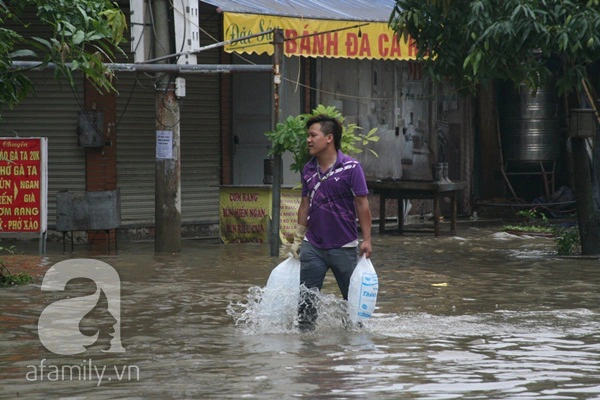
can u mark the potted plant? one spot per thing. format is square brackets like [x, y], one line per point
[290, 135]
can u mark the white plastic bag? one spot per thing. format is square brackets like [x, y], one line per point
[286, 275]
[279, 302]
[362, 293]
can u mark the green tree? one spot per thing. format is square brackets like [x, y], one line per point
[290, 135]
[531, 42]
[525, 41]
[83, 34]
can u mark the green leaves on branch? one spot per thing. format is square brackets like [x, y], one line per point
[291, 135]
[83, 34]
[474, 41]
[13, 87]
[86, 33]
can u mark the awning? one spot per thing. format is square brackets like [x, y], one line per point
[322, 28]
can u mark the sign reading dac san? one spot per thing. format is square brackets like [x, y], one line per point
[23, 184]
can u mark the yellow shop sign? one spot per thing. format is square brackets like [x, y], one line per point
[316, 38]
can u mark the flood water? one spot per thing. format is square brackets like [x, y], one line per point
[480, 315]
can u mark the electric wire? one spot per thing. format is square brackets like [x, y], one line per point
[322, 91]
[296, 82]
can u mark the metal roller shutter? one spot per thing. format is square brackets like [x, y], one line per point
[200, 149]
[135, 148]
[53, 113]
[200, 144]
[201, 131]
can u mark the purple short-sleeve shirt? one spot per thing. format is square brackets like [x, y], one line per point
[332, 211]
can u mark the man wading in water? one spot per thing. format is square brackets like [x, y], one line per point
[334, 193]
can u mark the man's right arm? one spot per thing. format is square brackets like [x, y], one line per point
[303, 212]
[301, 228]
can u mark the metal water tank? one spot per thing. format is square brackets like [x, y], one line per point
[529, 125]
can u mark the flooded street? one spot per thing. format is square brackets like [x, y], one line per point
[481, 315]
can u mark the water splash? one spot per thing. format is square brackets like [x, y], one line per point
[267, 310]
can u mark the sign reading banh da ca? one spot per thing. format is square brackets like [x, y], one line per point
[23, 184]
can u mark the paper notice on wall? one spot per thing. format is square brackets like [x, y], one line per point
[164, 145]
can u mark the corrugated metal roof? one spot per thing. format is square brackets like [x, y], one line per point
[344, 10]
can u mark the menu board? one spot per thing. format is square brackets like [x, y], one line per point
[23, 184]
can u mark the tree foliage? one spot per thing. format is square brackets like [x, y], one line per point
[291, 135]
[526, 41]
[83, 34]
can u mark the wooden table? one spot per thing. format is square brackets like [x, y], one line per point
[416, 189]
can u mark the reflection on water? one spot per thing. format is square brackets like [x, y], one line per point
[479, 315]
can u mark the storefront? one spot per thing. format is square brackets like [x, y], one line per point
[125, 157]
[339, 53]
[348, 59]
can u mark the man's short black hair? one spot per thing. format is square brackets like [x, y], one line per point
[329, 126]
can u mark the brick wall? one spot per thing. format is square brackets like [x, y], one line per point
[101, 162]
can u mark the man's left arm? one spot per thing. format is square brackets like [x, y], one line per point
[364, 220]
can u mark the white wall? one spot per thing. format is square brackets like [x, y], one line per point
[382, 95]
[252, 117]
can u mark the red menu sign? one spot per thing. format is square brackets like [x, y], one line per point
[23, 184]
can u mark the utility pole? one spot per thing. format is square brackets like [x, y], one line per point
[582, 127]
[278, 61]
[167, 206]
